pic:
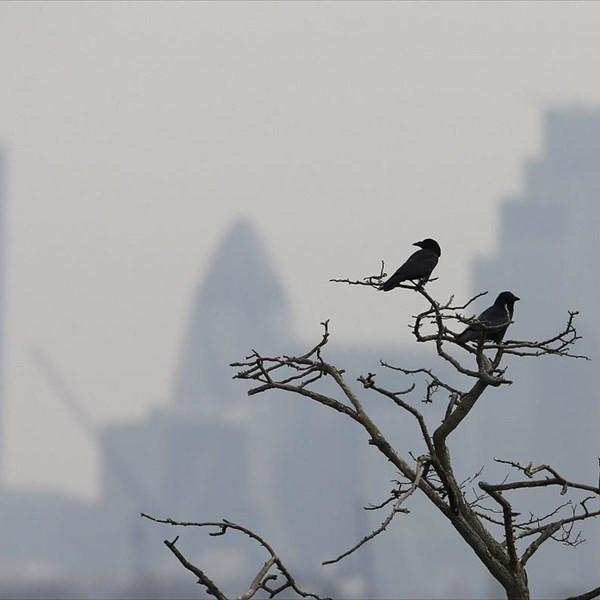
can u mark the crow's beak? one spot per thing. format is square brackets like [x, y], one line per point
[517, 298]
[417, 244]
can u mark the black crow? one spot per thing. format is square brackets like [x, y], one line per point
[418, 266]
[493, 322]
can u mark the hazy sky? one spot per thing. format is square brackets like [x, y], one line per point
[134, 133]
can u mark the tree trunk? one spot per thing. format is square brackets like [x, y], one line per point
[519, 590]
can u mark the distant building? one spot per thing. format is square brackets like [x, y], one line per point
[240, 304]
[548, 236]
[548, 253]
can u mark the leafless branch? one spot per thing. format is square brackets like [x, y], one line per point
[587, 596]
[203, 579]
[530, 471]
[548, 532]
[433, 384]
[539, 526]
[262, 578]
[467, 481]
[557, 345]
[539, 520]
[396, 509]
[375, 281]
[508, 515]
[369, 383]
[393, 496]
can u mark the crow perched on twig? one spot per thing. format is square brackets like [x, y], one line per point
[418, 266]
[493, 322]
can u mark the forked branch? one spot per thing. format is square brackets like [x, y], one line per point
[266, 577]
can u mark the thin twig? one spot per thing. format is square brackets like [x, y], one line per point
[396, 509]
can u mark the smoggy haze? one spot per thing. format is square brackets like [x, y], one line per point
[134, 134]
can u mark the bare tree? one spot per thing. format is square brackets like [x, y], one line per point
[483, 516]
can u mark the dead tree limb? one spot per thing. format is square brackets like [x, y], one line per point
[265, 575]
[495, 534]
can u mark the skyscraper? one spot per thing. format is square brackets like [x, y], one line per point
[547, 254]
[240, 304]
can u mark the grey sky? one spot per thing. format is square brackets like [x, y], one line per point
[134, 133]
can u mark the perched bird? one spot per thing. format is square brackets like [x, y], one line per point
[418, 266]
[493, 322]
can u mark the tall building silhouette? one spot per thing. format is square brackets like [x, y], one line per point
[548, 249]
[548, 235]
[547, 253]
[240, 304]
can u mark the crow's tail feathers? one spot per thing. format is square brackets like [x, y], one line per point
[466, 336]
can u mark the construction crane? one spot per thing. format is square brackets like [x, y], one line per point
[126, 479]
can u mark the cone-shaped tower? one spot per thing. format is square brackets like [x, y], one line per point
[239, 305]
